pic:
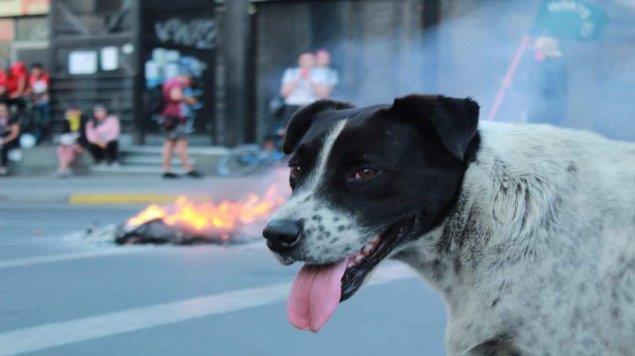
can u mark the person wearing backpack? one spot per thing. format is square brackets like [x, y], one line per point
[174, 122]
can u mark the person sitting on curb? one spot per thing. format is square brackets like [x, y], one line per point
[9, 134]
[102, 133]
[38, 88]
[72, 141]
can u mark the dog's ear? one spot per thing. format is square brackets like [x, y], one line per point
[301, 121]
[453, 121]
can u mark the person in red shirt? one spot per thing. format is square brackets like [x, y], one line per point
[4, 92]
[175, 125]
[17, 84]
[38, 89]
[17, 80]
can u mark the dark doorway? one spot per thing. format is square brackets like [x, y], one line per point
[179, 38]
[377, 56]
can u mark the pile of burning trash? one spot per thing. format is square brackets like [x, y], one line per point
[190, 221]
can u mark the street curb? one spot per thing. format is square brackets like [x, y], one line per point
[120, 198]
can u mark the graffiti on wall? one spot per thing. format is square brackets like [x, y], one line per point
[196, 33]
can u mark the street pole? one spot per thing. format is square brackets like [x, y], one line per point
[509, 76]
[235, 49]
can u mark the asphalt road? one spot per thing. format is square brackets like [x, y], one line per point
[62, 295]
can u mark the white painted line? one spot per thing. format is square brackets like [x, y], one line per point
[38, 225]
[30, 261]
[114, 251]
[69, 332]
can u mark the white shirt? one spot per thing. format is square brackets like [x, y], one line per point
[327, 76]
[303, 93]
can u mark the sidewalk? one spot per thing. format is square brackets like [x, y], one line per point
[42, 160]
[127, 190]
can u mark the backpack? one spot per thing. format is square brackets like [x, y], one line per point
[154, 102]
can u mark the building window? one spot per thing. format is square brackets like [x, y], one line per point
[32, 29]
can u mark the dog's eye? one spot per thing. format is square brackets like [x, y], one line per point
[295, 170]
[365, 174]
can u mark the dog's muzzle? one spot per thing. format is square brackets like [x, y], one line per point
[282, 234]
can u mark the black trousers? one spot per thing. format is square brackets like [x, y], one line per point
[109, 153]
[4, 151]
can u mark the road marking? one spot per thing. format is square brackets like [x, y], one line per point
[73, 331]
[120, 198]
[123, 250]
[30, 261]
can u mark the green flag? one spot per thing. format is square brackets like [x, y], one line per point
[572, 19]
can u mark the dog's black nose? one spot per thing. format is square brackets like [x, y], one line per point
[282, 234]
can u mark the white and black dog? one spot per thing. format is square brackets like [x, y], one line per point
[528, 231]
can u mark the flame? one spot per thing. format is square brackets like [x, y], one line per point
[211, 219]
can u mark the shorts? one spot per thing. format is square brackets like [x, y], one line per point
[178, 132]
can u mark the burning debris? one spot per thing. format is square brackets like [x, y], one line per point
[189, 221]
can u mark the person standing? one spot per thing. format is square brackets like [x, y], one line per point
[327, 77]
[300, 85]
[174, 121]
[9, 133]
[39, 82]
[102, 134]
[549, 84]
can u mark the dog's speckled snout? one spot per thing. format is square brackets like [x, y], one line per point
[282, 234]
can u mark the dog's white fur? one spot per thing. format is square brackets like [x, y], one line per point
[537, 256]
[540, 249]
[329, 234]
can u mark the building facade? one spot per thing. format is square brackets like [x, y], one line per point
[24, 31]
[115, 52]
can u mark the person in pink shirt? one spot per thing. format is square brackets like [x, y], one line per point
[175, 126]
[102, 133]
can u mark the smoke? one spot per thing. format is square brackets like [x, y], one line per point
[469, 52]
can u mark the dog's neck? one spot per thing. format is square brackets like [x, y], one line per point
[490, 223]
[438, 255]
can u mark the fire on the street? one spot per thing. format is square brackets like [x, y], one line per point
[205, 218]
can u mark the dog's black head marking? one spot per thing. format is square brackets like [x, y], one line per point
[412, 155]
[454, 121]
[303, 119]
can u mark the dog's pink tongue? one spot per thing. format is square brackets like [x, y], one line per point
[315, 295]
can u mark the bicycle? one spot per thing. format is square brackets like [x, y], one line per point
[246, 159]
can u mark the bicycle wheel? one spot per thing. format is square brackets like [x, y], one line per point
[240, 162]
